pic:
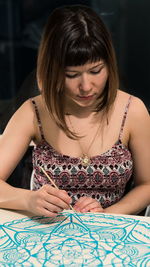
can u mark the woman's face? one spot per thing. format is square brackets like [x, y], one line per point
[84, 84]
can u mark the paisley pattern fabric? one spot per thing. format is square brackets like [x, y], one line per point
[105, 179]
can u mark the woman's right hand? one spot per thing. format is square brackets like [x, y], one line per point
[48, 201]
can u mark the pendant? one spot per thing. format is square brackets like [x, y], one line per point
[85, 160]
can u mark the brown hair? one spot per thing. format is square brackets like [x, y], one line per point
[73, 36]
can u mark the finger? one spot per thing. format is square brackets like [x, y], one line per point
[62, 194]
[95, 204]
[83, 203]
[55, 202]
[52, 207]
[80, 200]
[44, 212]
[97, 210]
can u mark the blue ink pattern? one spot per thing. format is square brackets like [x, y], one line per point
[75, 240]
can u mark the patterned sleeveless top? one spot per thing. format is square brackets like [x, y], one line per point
[105, 179]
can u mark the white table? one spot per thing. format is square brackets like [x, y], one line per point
[74, 240]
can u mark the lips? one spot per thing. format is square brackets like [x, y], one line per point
[86, 97]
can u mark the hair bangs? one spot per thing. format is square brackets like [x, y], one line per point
[82, 52]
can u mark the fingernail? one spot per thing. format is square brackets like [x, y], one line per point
[76, 209]
[84, 210]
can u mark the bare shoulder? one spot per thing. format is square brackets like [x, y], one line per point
[22, 120]
[137, 108]
[39, 101]
[122, 98]
[27, 108]
[25, 111]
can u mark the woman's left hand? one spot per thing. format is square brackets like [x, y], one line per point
[88, 204]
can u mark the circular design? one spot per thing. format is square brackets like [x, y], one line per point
[64, 178]
[91, 239]
[114, 178]
[97, 177]
[81, 177]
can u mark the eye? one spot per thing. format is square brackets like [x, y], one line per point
[71, 76]
[96, 71]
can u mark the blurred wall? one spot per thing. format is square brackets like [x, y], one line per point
[138, 49]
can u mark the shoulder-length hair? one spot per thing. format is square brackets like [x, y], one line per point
[73, 36]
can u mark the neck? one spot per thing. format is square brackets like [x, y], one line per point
[78, 111]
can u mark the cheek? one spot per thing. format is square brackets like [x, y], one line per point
[70, 87]
[103, 79]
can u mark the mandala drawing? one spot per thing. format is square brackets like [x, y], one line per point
[75, 239]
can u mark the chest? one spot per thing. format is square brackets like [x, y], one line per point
[96, 136]
[93, 140]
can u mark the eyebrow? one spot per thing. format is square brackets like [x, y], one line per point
[100, 64]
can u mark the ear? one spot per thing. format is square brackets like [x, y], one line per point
[39, 83]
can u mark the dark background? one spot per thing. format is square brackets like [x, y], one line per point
[21, 24]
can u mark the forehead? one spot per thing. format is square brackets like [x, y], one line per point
[87, 66]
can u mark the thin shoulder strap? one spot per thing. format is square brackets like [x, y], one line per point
[124, 117]
[38, 119]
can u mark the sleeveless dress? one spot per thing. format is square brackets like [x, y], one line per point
[105, 179]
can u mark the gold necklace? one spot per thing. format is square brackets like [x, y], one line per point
[84, 159]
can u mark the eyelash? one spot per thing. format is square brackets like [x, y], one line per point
[95, 72]
[76, 75]
[71, 76]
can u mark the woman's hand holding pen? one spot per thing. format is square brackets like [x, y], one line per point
[88, 204]
[48, 201]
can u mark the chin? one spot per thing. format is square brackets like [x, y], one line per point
[72, 102]
[84, 105]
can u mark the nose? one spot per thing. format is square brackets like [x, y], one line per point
[85, 85]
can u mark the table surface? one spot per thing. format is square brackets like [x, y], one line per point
[74, 239]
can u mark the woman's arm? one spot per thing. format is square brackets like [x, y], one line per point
[13, 144]
[139, 197]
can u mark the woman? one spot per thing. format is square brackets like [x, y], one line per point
[90, 137]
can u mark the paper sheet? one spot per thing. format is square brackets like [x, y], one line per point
[74, 240]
